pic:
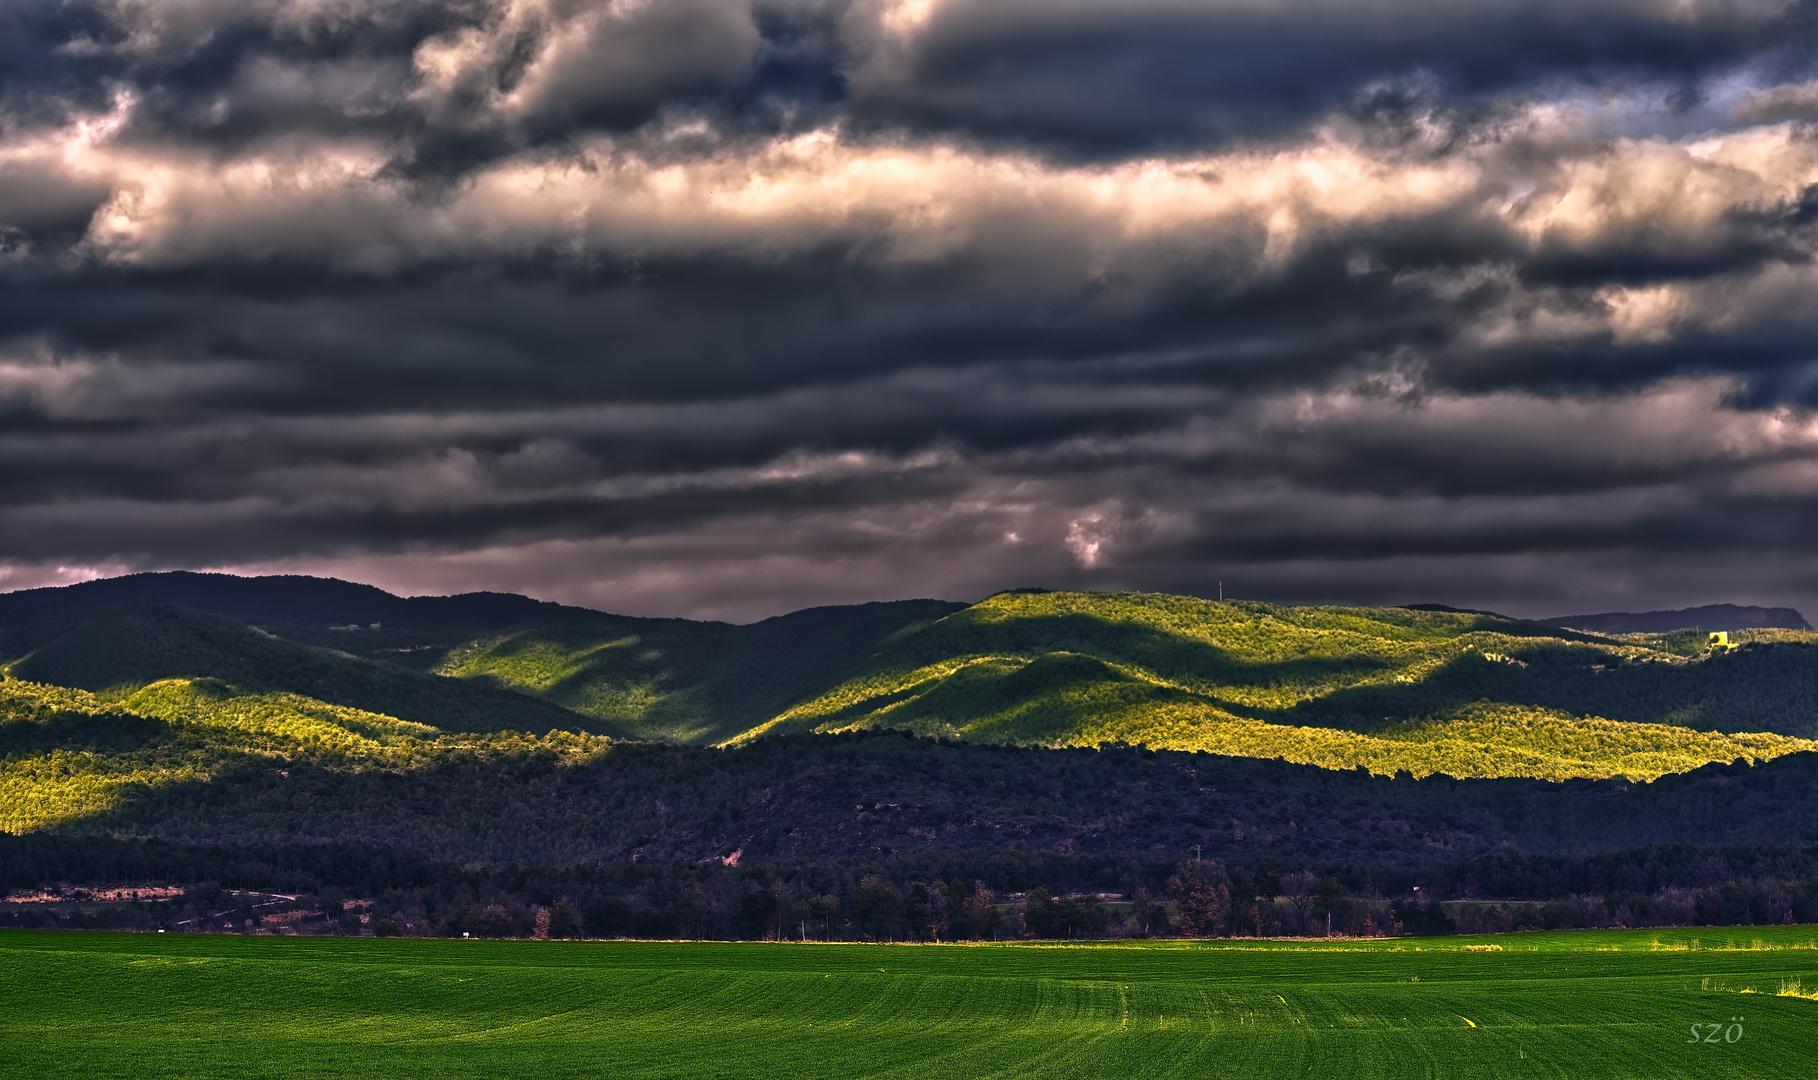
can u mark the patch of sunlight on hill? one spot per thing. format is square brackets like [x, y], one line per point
[616, 679]
[1040, 668]
[70, 754]
[1176, 673]
[1242, 655]
[42, 792]
[531, 661]
[1022, 667]
[276, 718]
[1483, 740]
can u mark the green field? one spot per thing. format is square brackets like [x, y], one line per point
[1579, 1005]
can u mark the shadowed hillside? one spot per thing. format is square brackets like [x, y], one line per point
[688, 682]
[1386, 689]
[147, 641]
[187, 762]
[670, 679]
[1465, 693]
[318, 610]
[1729, 617]
[1335, 734]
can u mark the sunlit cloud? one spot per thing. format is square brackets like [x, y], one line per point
[723, 308]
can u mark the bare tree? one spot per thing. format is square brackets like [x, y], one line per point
[1302, 890]
[1202, 894]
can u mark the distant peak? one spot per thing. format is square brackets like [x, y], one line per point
[1450, 610]
[1724, 617]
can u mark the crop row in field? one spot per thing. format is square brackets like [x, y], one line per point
[1610, 1004]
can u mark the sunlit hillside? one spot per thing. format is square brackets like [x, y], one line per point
[133, 698]
[686, 682]
[1385, 689]
[70, 754]
[147, 641]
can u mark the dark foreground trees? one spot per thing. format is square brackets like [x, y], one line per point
[1202, 898]
[993, 895]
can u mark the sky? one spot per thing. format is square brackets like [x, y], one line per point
[724, 308]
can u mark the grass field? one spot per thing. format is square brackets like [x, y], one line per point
[1579, 1005]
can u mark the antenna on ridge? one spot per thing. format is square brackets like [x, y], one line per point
[1221, 592]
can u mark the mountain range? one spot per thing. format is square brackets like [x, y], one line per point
[210, 709]
[1728, 617]
[1026, 667]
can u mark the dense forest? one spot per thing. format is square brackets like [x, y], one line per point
[1048, 764]
[887, 794]
[340, 888]
[1388, 689]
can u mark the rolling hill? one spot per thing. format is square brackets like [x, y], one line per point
[180, 762]
[1730, 617]
[1384, 689]
[517, 662]
[693, 682]
[146, 641]
[126, 691]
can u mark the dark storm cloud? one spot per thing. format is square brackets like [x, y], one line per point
[1110, 78]
[459, 83]
[720, 307]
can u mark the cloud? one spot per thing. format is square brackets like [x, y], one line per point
[724, 307]
[1793, 101]
[555, 61]
[1099, 78]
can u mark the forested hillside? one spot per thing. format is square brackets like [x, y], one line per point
[185, 760]
[1729, 617]
[137, 644]
[689, 682]
[1428, 691]
[562, 667]
[556, 801]
[875, 835]
[1387, 689]
[1031, 739]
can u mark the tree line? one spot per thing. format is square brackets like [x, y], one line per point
[545, 801]
[989, 895]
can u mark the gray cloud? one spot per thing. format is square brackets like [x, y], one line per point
[1102, 78]
[723, 308]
